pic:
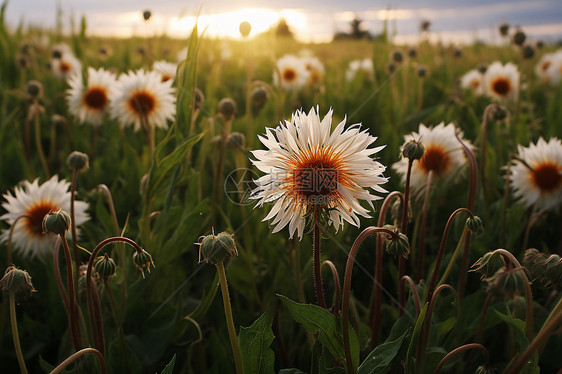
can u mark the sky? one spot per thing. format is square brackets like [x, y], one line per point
[311, 20]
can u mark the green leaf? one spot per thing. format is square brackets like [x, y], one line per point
[169, 369]
[414, 340]
[518, 328]
[254, 344]
[319, 321]
[378, 361]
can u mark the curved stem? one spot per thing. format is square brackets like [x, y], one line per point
[403, 230]
[72, 221]
[38, 143]
[376, 296]
[529, 330]
[96, 325]
[229, 320]
[316, 265]
[464, 348]
[78, 354]
[337, 286]
[71, 296]
[10, 235]
[414, 292]
[421, 243]
[105, 189]
[347, 287]
[442, 249]
[15, 334]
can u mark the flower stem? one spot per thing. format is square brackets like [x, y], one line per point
[337, 301]
[229, 320]
[460, 349]
[316, 265]
[10, 235]
[71, 296]
[77, 355]
[73, 222]
[38, 143]
[421, 243]
[403, 230]
[15, 334]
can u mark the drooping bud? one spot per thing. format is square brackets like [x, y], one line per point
[507, 282]
[245, 28]
[483, 369]
[78, 161]
[105, 267]
[227, 108]
[488, 264]
[397, 244]
[17, 281]
[142, 261]
[475, 225]
[542, 267]
[56, 222]
[413, 150]
[217, 248]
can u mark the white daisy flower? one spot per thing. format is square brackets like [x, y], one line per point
[290, 73]
[502, 81]
[310, 171]
[542, 67]
[90, 103]
[554, 71]
[473, 81]
[34, 201]
[66, 66]
[443, 155]
[143, 94]
[166, 69]
[315, 70]
[536, 178]
[364, 66]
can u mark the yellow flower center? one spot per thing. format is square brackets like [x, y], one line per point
[547, 176]
[96, 98]
[142, 103]
[434, 159]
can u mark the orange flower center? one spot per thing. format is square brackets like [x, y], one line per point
[65, 67]
[142, 103]
[166, 77]
[547, 177]
[315, 178]
[475, 84]
[501, 86]
[434, 159]
[35, 215]
[289, 75]
[96, 98]
[545, 65]
[314, 77]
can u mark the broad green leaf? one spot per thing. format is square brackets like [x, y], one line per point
[169, 369]
[254, 344]
[518, 328]
[378, 361]
[319, 321]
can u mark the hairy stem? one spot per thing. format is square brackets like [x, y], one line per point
[77, 355]
[319, 286]
[15, 334]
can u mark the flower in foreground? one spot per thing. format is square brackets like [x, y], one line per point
[290, 73]
[310, 171]
[473, 81]
[142, 96]
[502, 81]
[89, 103]
[536, 175]
[167, 70]
[443, 155]
[34, 201]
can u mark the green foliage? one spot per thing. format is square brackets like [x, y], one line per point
[254, 344]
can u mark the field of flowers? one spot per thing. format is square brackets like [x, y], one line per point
[260, 206]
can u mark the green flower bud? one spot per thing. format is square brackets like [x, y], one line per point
[78, 161]
[245, 28]
[390, 67]
[412, 52]
[397, 244]
[227, 108]
[413, 150]
[421, 71]
[528, 51]
[17, 281]
[142, 261]
[105, 267]
[56, 222]
[519, 38]
[507, 282]
[397, 56]
[424, 25]
[482, 68]
[217, 248]
[475, 225]
[553, 269]
[504, 29]
[489, 264]
[500, 113]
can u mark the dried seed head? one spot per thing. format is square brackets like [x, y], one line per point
[236, 140]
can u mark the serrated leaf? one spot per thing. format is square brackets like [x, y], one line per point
[258, 358]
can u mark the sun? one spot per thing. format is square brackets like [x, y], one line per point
[226, 25]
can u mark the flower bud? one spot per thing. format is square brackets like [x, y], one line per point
[504, 29]
[56, 54]
[424, 25]
[457, 52]
[146, 15]
[390, 67]
[413, 150]
[56, 222]
[500, 113]
[34, 89]
[199, 98]
[217, 248]
[245, 28]
[397, 244]
[142, 261]
[482, 68]
[421, 71]
[412, 52]
[519, 38]
[259, 97]
[397, 56]
[78, 161]
[105, 267]
[17, 281]
[475, 225]
[236, 140]
[483, 369]
[489, 264]
[227, 108]
[144, 184]
[547, 269]
[507, 282]
[528, 51]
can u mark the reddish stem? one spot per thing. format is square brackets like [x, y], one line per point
[337, 286]
[464, 348]
[417, 300]
[71, 296]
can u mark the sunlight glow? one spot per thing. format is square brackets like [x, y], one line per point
[227, 24]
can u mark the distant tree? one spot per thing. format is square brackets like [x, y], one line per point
[283, 29]
[356, 32]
